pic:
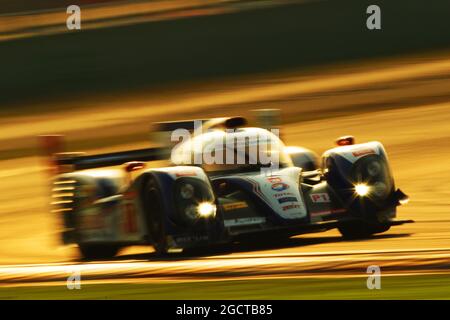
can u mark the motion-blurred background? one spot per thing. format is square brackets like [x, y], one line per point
[136, 62]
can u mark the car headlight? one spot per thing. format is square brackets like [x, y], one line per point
[201, 210]
[362, 189]
[187, 191]
[194, 202]
[374, 168]
[206, 209]
[379, 189]
[371, 178]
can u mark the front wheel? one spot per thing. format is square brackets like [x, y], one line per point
[155, 218]
[361, 229]
[98, 251]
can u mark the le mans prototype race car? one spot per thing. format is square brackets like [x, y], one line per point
[109, 201]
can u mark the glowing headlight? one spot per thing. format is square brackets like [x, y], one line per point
[362, 189]
[206, 209]
[202, 210]
[374, 168]
[187, 191]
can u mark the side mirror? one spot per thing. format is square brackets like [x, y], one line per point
[345, 140]
[134, 165]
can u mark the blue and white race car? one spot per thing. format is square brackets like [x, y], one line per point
[109, 201]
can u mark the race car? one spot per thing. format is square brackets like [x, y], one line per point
[109, 201]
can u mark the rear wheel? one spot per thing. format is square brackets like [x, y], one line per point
[361, 229]
[98, 251]
[155, 218]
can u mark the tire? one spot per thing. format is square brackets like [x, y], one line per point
[155, 218]
[361, 229]
[98, 251]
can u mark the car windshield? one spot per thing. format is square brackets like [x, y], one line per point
[240, 151]
[245, 151]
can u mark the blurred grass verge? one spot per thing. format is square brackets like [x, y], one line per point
[140, 56]
[392, 287]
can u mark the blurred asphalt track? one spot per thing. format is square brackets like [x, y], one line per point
[404, 102]
[416, 137]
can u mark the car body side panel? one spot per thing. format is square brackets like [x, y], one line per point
[323, 204]
[279, 191]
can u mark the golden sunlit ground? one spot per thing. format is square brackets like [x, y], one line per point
[414, 129]
[402, 101]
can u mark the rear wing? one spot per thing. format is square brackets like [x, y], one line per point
[59, 161]
[68, 162]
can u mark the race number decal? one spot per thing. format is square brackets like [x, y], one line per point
[320, 198]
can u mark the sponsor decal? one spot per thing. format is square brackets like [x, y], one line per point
[274, 179]
[191, 238]
[234, 205]
[280, 186]
[244, 221]
[186, 174]
[362, 152]
[287, 199]
[283, 194]
[291, 206]
[322, 213]
[320, 198]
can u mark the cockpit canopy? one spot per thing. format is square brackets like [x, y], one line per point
[240, 150]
